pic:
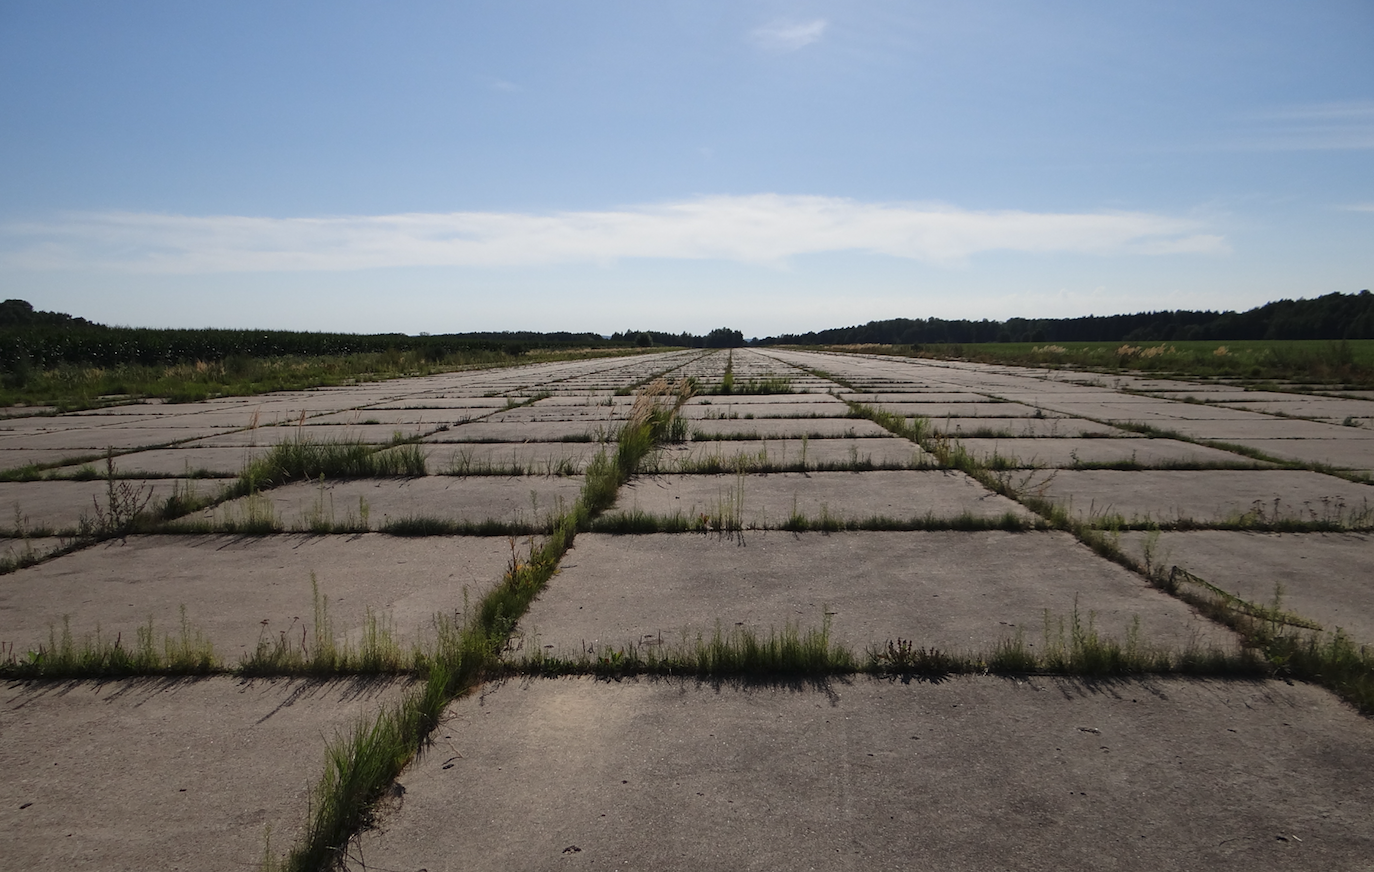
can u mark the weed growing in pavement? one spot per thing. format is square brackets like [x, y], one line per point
[317, 651]
[462, 463]
[305, 458]
[123, 506]
[741, 651]
[1071, 648]
[187, 652]
[254, 515]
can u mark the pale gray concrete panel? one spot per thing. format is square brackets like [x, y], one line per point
[370, 434]
[768, 501]
[968, 774]
[1326, 577]
[61, 506]
[178, 461]
[915, 396]
[370, 503]
[409, 419]
[166, 774]
[527, 431]
[101, 438]
[879, 451]
[1208, 496]
[240, 590]
[1141, 409]
[15, 458]
[964, 591]
[1006, 428]
[1267, 427]
[725, 409]
[968, 410]
[474, 406]
[514, 458]
[13, 550]
[1340, 453]
[591, 415]
[1070, 452]
[1310, 407]
[787, 428]
[819, 400]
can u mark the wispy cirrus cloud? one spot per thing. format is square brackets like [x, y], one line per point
[759, 229]
[790, 35]
[1315, 127]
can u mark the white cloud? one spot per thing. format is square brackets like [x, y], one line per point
[790, 36]
[760, 229]
[1359, 207]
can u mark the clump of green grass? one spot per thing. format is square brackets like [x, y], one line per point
[304, 457]
[462, 464]
[741, 651]
[319, 653]
[187, 652]
[423, 525]
[1008, 521]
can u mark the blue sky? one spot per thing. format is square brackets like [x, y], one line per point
[599, 166]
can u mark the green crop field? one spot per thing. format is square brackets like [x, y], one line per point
[1347, 363]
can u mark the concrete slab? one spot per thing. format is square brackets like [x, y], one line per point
[238, 590]
[1006, 428]
[968, 410]
[751, 454]
[372, 434]
[724, 410]
[12, 550]
[1149, 410]
[406, 419]
[11, 458]
[527, 431]
[1209, 496]
[785, 428]
[1340, 453]
[915, 396]
[1309, 407]
[768, 501]
[101, 438]
[223, 462]
[441, 403]
[589, 414]
[1265, 427]
[147, 774]
[820, 401]
[1043, 453]
[60, 506]
[370, 503]
[967, 774]
[952, 590]
[1323, 576]
[512, 458]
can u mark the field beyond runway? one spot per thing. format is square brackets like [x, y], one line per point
[930, 520]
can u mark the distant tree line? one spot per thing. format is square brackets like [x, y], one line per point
[1334, 316]
[721, 337]
[34, 339]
